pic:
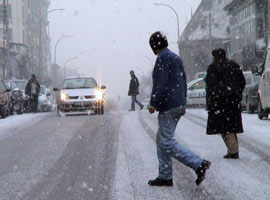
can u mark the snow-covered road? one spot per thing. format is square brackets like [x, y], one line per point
[246, 178]
[113, 156]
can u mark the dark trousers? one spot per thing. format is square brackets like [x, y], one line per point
[34, 103]
[133, 101]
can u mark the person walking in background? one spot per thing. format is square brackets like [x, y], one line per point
[134, 91]
[225, 83]
[32, 89]
[169, 98]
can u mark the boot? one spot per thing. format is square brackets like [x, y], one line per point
[201, 171]
[232, 156]
[161, 182]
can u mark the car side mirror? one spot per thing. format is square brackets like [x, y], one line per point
[56, 89]
[103, 87]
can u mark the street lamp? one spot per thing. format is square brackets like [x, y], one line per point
[41, 22]
[162, 4]
[68, 60]
[55, 48]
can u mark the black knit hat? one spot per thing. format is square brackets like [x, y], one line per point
[158, 41]
[219, 53]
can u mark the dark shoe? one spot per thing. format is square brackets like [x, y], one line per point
[232, 156]
[201, 171]
[161, 182]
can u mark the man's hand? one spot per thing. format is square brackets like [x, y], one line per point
[151, 109]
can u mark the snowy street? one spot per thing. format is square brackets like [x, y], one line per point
[113, 156]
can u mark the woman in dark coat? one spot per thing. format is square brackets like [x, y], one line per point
[225, 83]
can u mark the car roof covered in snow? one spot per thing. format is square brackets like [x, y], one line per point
[73, 77]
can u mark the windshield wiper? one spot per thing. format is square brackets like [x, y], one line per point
[68, 88]
[85, 87]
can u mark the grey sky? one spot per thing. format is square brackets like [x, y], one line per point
[110, 34]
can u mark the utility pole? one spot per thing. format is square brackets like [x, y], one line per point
[41, 68]
[210, 37]
[6, 36]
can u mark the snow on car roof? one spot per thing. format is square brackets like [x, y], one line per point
[72, 77]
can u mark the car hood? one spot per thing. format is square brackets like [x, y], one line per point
[78, 92]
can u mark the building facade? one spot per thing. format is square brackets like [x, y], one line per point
[206, 30]
[248, 31]
[25, 29]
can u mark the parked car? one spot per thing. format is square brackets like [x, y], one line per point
[16, 97]
[199, 75]
[80, 95]
[21, 84]
[250, 93]
[4, 100]
[44, 101]
[264, 87]
[196, 94]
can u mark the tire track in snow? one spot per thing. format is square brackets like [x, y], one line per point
[187, 177]
[201, 121]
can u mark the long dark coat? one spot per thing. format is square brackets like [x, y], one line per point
[133, 86]
[29, 86]
[225, 83]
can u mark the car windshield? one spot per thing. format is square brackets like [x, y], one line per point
[20, 84]
[77, 83]
[7, 84]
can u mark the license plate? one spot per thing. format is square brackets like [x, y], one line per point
[78, 103]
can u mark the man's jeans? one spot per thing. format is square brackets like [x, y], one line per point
[168, 147]
[133, 101]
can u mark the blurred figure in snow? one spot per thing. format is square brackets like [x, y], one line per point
[169, 98]
[134, 91]
[32, 89]
[225, 83]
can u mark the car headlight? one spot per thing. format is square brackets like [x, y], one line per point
[64, 97]
[99, 95]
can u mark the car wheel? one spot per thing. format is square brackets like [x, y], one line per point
[250, 110]
[11, 111]
[19, 112]
[261, 112]
[2, 112]
[7, 112]
[100, 110]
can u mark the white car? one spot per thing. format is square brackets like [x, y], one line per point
[79, 95]
[264, 87]
[44, 100]
[196, 94]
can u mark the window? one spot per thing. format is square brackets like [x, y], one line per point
[76, 83]
[198, 85]
[9, 15]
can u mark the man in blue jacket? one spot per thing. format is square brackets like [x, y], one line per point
[169, 98]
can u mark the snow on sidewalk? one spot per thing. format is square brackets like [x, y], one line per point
[246, 178]
[17, 121]
[136, 164]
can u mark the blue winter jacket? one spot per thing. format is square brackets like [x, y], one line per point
[169, 82]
